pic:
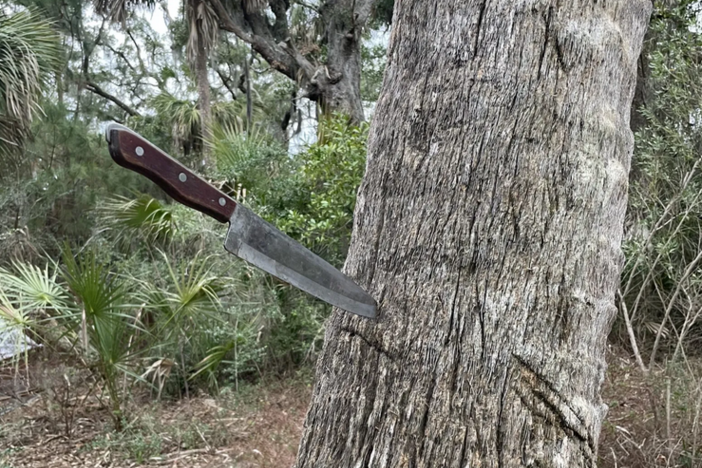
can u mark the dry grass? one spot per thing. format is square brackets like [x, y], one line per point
[60, 423]
[654, 418]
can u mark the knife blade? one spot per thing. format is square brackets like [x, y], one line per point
[249, 237]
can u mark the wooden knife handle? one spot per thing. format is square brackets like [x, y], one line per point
[132, 151]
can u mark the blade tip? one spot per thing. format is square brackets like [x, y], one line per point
[366, 310]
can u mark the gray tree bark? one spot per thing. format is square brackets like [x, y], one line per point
[204, 101]
[488, 226]
[337, 85]
[200, 41]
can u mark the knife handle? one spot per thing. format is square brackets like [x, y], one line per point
[133, 152]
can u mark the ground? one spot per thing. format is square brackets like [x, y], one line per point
[63, 426]
[653, 418]
[53, 421]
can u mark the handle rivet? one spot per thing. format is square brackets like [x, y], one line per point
[182, 177]
[222, 201]
[139, 151]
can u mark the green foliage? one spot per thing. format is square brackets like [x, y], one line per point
[182, 116]
[373, 70]
[312, 197]
[661, 283]
[150, 218]
[251, 163]
[327, 179]
[67, 174]
[105, 323]
[29, 50]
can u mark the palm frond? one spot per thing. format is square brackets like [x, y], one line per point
[194, 289]
[144, 215]
[29, 50]
[105, 324]
[183, 115]
[27, 293]
[203, 27]
[32, 288]
[118, 10]
[209, 364]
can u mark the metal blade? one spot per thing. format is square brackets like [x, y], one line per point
[262, 245]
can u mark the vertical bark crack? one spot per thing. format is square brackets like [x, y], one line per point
[544, 48]
[499, 439]
[481, 16]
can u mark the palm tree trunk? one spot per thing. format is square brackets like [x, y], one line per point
[488, 227]
[204, 102]
[203, 89]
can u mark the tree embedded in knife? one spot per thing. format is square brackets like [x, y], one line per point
[249, 237]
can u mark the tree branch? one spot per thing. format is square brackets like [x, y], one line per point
[94, 88]
[306, 5]
[226, 83]
[122, 56]
[142, 65]
[259, 36]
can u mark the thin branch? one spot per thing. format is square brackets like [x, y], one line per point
[142, 67]
[122, 56]
[226, 83]
[94, 88]
[166, 14]
[686, 274]
[307, 5]
[89, 50]
[630, 331]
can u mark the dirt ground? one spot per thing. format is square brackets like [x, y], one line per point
[53, 420]
[653, 419]
[58, 427]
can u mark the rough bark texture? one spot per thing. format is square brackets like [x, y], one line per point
[204, 100]
[338, 83]
[488, 226]
[199, 42]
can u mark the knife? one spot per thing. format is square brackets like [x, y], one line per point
[249, 237]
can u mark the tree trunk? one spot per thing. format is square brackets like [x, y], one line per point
[198, 54]
[337, 85]
[204, 100]
[488, 227]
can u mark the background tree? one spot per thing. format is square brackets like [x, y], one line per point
[324, 60]
[488, 227]
[316, 45]
[203, 35]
